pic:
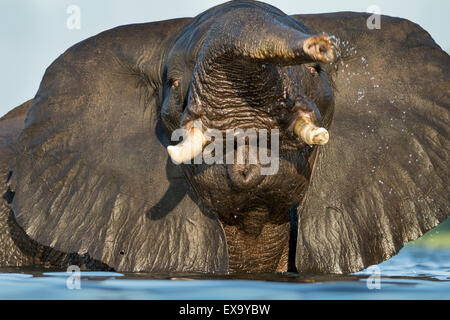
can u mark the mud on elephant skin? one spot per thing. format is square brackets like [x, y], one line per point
[363, 126]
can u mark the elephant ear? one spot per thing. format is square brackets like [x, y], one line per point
[383, 178]
[92, 173]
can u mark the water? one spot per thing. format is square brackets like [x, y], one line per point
[415, 273]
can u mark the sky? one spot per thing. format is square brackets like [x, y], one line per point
[34, 33]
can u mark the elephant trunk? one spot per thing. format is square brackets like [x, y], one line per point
[273, 39]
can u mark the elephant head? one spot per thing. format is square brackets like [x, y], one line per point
[360, 117]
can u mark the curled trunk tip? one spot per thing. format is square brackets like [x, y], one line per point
[319, 48]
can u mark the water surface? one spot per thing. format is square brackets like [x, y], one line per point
[415, 273]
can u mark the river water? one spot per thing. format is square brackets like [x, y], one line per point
[415, 273]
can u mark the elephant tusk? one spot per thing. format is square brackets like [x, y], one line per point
[310, 133]
[189, 148]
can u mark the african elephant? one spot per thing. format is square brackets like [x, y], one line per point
[361, 117]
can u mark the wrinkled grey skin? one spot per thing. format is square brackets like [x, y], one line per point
[89, 181]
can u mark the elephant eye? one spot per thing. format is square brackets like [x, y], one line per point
[173, 83]
[315, 69]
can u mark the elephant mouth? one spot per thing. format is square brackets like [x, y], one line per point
[245, 176]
